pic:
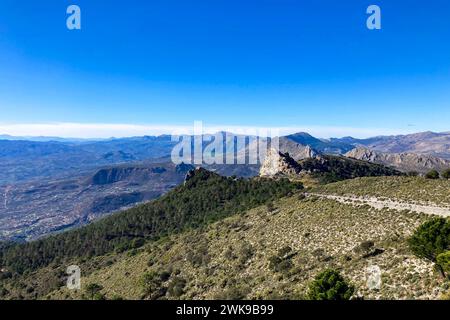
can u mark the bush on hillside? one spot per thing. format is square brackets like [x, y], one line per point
[443, 260]
[432, 174]
[431, 239]
[330, 285]
[446, 174]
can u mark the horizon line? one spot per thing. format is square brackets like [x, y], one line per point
[102, 131]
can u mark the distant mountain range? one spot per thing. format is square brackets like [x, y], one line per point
[407, 162]
[47, 186]
[28, 160]
[436, 144]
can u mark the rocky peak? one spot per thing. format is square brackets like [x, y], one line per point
[297, 151]
[362, 153]
[278, 163]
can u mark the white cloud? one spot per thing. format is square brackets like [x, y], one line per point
[102, 130]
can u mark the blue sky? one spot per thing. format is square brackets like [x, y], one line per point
[309, 64]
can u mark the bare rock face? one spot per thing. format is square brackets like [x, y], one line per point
[402, 161]
[278, 163]
[296, 150]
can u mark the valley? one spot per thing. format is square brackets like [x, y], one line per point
[31, 210]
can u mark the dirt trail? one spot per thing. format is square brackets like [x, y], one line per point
[391, 204]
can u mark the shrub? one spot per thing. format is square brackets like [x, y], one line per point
[432, 174]
[446, 174]
[270, 207]
[152, 285]
[232, 293]
[365, 246]
[330, 285]
[431, 239]
[93, 291]
[282, 261]
[443, 260]
[245, 253]
[176, 287]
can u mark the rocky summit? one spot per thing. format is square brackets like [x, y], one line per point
[277, 163]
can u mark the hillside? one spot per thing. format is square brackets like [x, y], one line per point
[204, 197]
[406, 189]
[270, 251]
[406, 162]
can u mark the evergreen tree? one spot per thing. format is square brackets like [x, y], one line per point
[330, 285]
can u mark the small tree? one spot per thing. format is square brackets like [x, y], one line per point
[153, 285]
[432, 174]
[176, 287]
[431, 239]
[446, 174]
[330, 285]
[93, 290]
[443, 260]
[270, 207]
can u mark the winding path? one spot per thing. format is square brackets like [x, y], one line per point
[391, 204]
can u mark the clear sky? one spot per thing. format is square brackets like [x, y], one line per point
[306, 64]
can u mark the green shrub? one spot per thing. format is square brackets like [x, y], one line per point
[153, 285]
[443, 260]
[245, 253]
[176, 287]
[431, 239]
[93, 291]
[446, 174]
[432, 174]
[232, 293]
[282, 261]
[330, 285]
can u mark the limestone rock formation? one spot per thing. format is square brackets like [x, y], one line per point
[278, 163]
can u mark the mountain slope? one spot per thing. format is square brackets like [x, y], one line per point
[268, 253]
[401, 161]
[204, 198]
[323, 146]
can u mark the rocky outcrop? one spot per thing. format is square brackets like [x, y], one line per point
[198, 173]
[402, 161]
[296, 150]
[278, 163]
